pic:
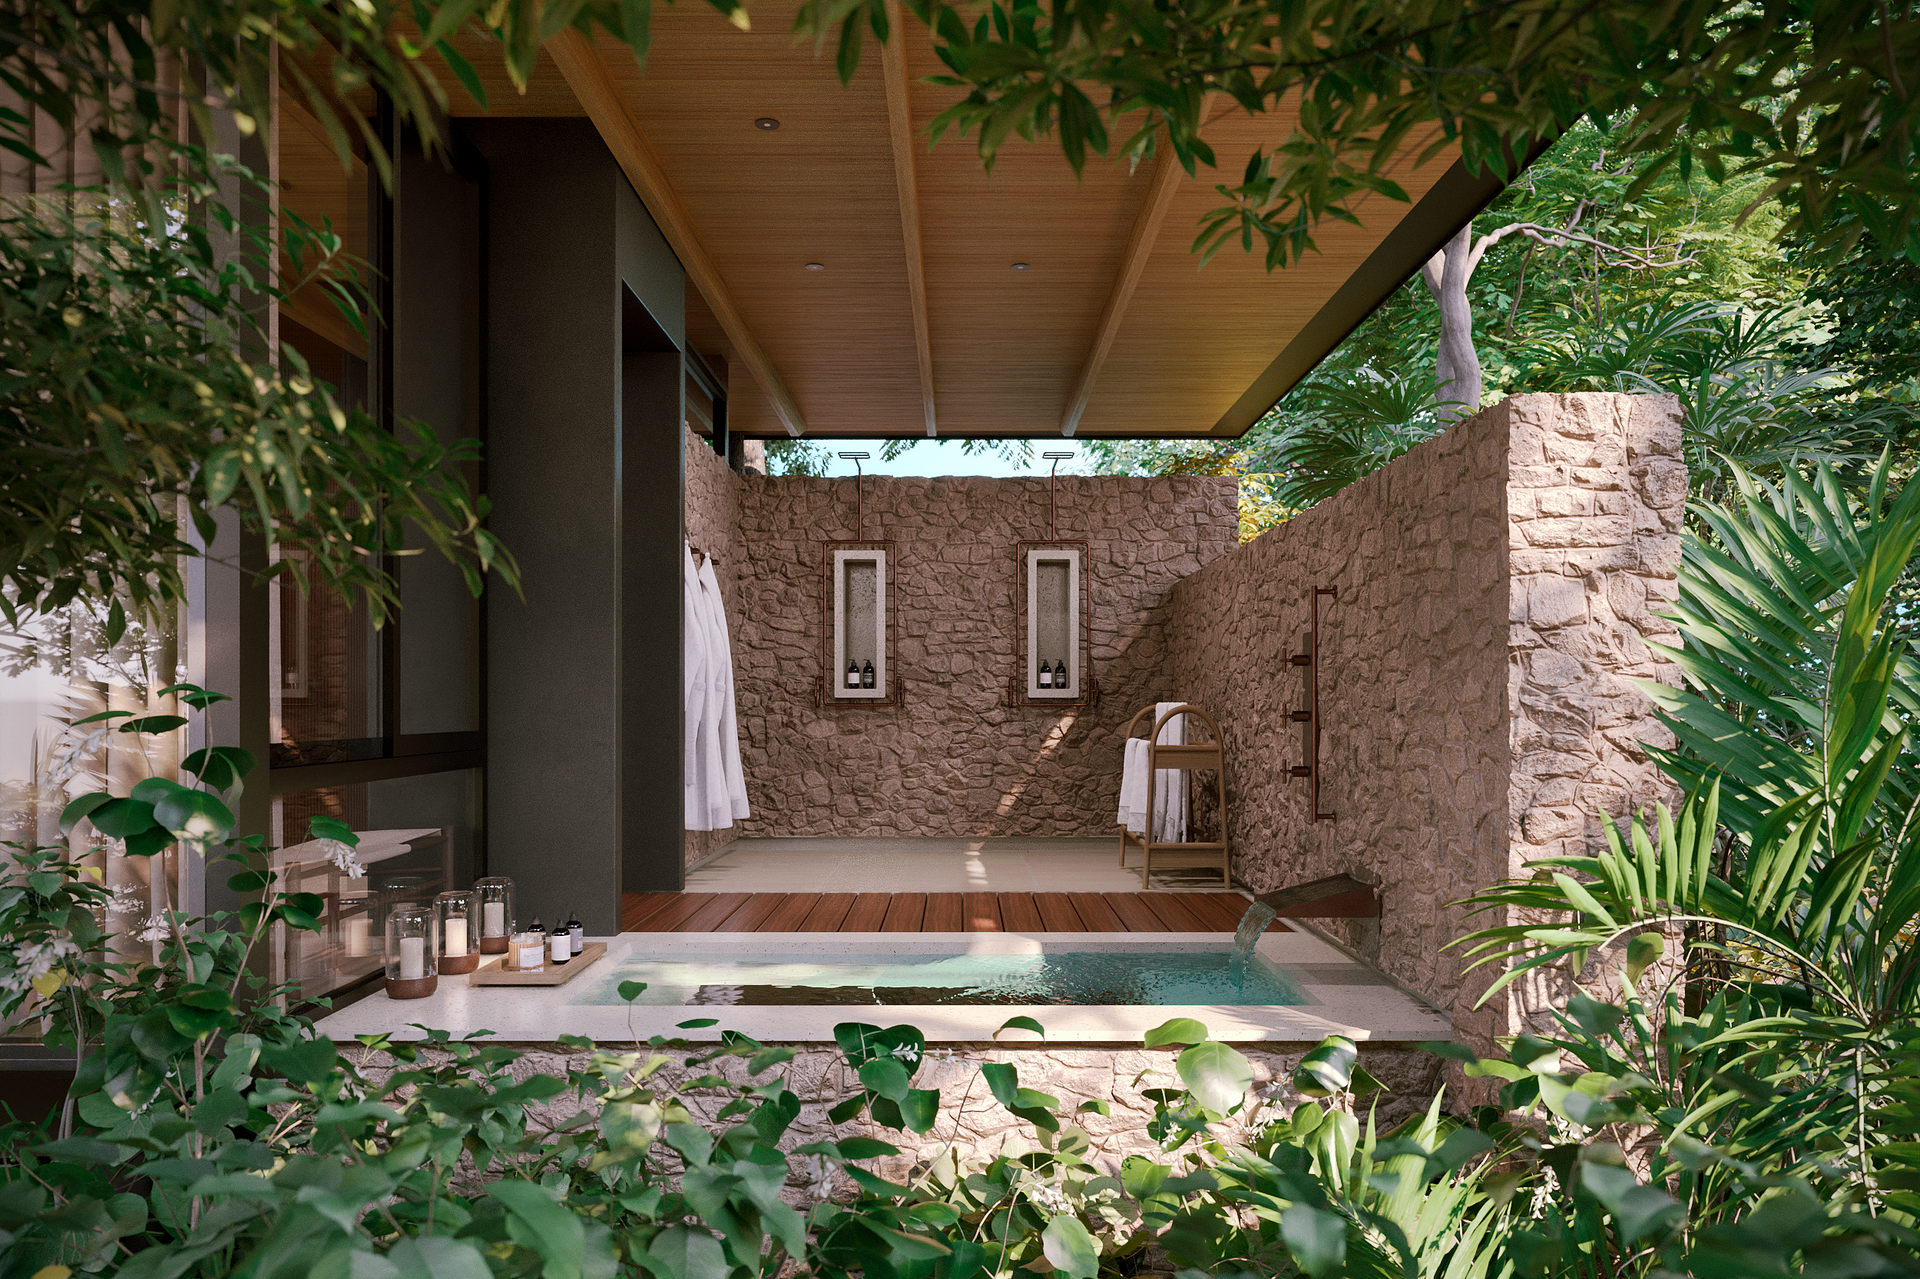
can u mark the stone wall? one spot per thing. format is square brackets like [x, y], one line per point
[1495, 590]
[953, 760]
[980, 1127]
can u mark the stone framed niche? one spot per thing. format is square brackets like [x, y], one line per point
[1052, 607]
[857, 600]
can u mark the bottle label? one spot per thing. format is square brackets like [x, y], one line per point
[561, 947]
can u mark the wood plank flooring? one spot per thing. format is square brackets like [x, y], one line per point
[933, 913]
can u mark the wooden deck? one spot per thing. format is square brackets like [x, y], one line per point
[933, 913]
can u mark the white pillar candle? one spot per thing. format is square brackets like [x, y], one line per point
[493, 919]
[413, 958]
[456, 937]
[354, 931]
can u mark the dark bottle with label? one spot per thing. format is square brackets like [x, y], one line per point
[867, 677]
[1046, 675]
[853, 674]
[576, 933]
[1060, 673]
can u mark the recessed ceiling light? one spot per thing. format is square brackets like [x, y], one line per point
[816, 266]
[1022, 266]
[766, 124]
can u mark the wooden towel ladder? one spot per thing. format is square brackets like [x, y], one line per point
[1188, 757]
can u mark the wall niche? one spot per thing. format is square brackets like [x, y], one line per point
[858, 604]
[1052, 608]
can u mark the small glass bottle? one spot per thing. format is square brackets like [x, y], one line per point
[1060, 673]
[456, 915]
[559, 945]
[410, 968]
[866, 676]
[496, 913]
[1046, 674]
[853, 673]
[576, 933]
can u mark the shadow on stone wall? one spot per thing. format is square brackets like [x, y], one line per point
[1496, 592]
[952, 760]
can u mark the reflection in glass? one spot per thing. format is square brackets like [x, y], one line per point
[418, 839]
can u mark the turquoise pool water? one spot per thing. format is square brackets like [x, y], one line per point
[1075, 977]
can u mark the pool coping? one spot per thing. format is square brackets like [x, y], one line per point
[1380, 1013]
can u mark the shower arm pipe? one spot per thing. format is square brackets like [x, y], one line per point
[859, 494]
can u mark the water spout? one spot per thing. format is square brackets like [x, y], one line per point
[1246, 937]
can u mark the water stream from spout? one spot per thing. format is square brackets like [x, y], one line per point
[1245, 937]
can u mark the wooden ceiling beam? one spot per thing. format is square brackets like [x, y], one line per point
[1146, 229]
[592, 82]
[893, 65]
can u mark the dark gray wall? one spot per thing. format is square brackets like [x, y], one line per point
[436, 378]
[565, 707]
[652, 569]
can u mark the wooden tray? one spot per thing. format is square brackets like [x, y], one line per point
[492, 974]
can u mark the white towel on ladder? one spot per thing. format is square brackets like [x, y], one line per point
[1169, 784]
[1133, 786]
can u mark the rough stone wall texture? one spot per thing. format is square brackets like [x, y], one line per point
[1496, 589]
[978, 1125]
[712, 510]
[952, 760]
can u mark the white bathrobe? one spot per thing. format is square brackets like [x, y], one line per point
[693, 668]
[1169, 784]
[727, 800]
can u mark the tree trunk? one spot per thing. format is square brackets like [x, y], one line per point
[1457, 370]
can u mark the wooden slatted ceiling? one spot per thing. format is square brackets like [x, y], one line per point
[933, 913]
[1008, 348]
[1194, 338]
[822, 188]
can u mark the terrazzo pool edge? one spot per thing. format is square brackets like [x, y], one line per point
[1376, 1014]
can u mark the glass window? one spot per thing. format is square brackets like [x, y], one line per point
[327, 692]
[418, 836]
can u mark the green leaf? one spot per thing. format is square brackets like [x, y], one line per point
[886, 1077]
[1327, 1069]
[631, 990]
[1317, 1238]
[688, 1254]
[71, 815]
[1181, 1030]
[438, 1257]
[1640, 1210]
[1643, 952]
[1021, 1023]
[195, 816]
[1216, 1075]
[920, 1108]
[153, 724]
[1070, 1248]
[121, 818]
[536, 1221]
[303, 1061]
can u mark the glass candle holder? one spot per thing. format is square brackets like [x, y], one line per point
[496, 913]
[411, 973]
[457, 919]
